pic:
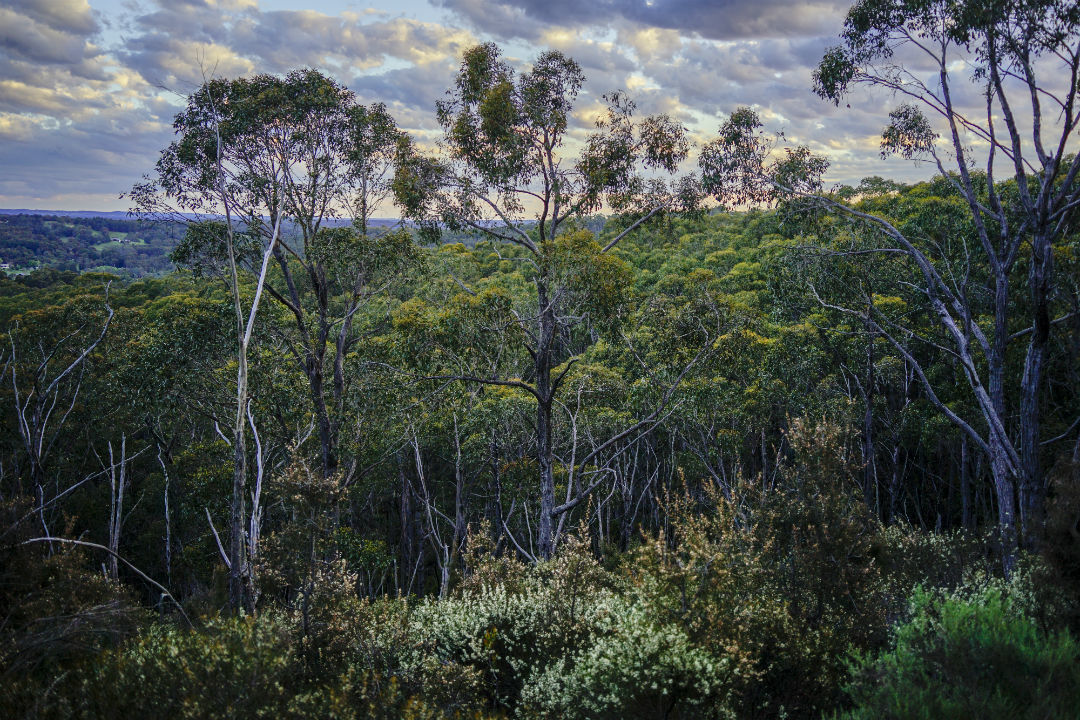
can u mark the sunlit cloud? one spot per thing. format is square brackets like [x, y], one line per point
[88, 90]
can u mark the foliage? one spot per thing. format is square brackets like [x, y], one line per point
[561, 640]
[654, 464]
[56, 611]
[30, 242]
[968, 655]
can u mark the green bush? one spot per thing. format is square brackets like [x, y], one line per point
[332, 656]
[233, 668]
[632, 666]
[782, 581]
[565, 640]
[57, 610]
[968, 655]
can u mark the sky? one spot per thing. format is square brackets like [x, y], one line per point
[88, 90]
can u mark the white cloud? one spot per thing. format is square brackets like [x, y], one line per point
[83, 113]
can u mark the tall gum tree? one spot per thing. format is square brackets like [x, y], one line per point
[1024, 57]
[506, 172]
[221, 171]
[284, 175]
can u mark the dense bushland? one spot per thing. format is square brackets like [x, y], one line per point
[815, 457]
[736, 564]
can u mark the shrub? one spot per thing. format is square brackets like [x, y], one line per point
[56, 610]
[564, 639]
[782, 580]
[330, 654]
[234, 668]
[632, 666]
[968, 655]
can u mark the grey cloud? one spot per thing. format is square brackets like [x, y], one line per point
[70, 16]
[192, 21]
[408, 87]
[596, 58]
[276, 41]
[501, 19]
[26, 39]
[80, 159]
[698, 59]
[714, 19]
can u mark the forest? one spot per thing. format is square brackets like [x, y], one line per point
[607, 423]
[126, 248]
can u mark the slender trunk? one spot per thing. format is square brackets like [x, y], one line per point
[116, 510]
[1004, 490]
[451, 552]
[545, 447]
[967, 519]
[327, 454]
[1003, 478]
[459, 497]
[1032, 487]
[239, 566]
[496, 475]
[894, 482]
[546, 527]
[237, 512]
[869, 465]
[405, 519]
[764, 461]
[168, 533]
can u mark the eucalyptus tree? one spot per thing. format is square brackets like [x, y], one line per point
[46, 362]
[1025, 59]
[266, 164]
[510, 171]
[222, 169]
[339, 168]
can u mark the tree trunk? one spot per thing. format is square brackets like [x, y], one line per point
[544, 442]
[870, 466]
[327, 454]
[237, 556]
[1032, 487]
[1003, 490]
[1004, 481]
[405, 519]
[116, 511]
[967, 517]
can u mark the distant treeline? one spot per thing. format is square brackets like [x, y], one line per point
[126, 247]
[133, 248]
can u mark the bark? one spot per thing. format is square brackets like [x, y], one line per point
[544, 442]
[870, 466]
[239, 567]
[1003, 491]
[313, 360]
[1032, 486]
[967, 517]
[117, 483]
[405, 519]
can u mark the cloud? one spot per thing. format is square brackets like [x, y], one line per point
[78, 114]
[713, 19]
[280, 40]
[91, 158]
[83, 113]
[69, 16]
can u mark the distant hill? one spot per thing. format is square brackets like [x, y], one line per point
[111, 242]
[116, 242]
[123, 215]
[115, 214]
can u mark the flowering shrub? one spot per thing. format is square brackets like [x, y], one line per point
[566, 641]
[632, 666]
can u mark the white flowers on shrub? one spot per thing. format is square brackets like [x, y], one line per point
[631, 666]
[556, 653]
